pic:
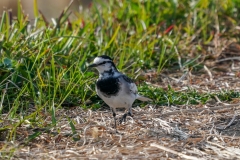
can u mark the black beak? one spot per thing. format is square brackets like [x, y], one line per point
[92, 65]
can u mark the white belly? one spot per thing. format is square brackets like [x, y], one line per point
[122, 100]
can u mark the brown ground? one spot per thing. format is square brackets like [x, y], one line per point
[210, 131]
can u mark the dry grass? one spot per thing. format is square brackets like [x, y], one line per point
[209, 131]
[204, 135]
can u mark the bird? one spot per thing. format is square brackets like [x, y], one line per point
[115, 88]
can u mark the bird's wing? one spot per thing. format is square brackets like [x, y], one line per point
[131, 85]
[133, 89]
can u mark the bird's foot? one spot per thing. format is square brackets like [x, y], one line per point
[123, 119]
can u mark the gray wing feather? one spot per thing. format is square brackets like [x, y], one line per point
[131, 85]
[133, 89]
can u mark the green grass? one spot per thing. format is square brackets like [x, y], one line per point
[45, 66]
[190, 96]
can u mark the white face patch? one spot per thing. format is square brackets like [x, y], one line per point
[99, 60]
[101, 64]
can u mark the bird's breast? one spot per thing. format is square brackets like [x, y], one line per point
[109, 86]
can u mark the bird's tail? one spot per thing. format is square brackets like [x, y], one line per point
[142, 98]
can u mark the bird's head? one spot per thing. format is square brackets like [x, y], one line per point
[103, 64]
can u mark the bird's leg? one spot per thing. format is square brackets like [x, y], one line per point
[115, 123]
[123, 118]
[129, 113]
[114, 116]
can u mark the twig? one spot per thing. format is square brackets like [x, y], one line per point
[179, 58]
[173, 152]
[218, 100]
[182, 77]
[209, 73]
[230, 123]
[228, 59]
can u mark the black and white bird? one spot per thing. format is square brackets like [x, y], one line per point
[115, 88]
